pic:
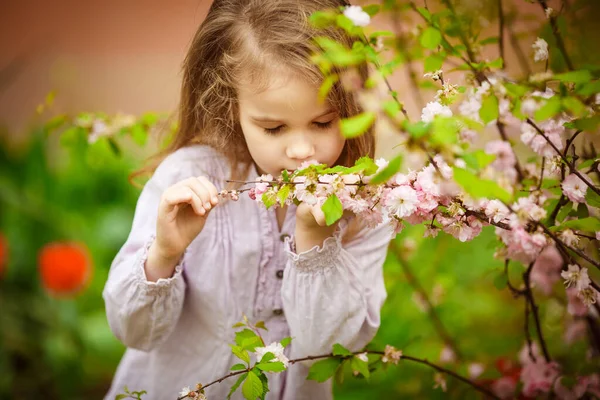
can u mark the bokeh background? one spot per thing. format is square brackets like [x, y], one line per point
[64, 214]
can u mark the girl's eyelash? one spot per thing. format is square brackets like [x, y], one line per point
[276, 130]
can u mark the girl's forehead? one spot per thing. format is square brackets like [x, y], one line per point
[278, 89]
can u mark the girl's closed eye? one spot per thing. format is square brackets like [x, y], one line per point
[318, 125]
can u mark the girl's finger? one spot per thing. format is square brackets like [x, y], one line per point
[214, 198]
[319, 215]
[183, 194]
[201, 191]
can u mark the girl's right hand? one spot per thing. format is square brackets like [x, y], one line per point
[182, 213]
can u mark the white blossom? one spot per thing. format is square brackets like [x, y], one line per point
[541, 50]
[357, 15]
[576, 276]
[434, 108]
[276, 349]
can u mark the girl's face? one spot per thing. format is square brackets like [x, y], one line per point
[286, 125]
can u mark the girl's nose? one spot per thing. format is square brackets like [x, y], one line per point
[300, 149]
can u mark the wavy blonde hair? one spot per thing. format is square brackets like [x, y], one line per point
[239, 39]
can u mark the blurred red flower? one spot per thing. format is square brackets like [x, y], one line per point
[65, 268]
[3, 254]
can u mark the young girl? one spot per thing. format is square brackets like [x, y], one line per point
[194, 264]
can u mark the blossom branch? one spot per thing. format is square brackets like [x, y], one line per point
[573, 249]
[439, 327]
[382, 353]
[571, 165]
[528, 334]
[559, 41]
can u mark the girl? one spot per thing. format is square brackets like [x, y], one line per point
[193, 265]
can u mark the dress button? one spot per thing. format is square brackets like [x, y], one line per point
[283, 237]
[279, 274]
[278, 311]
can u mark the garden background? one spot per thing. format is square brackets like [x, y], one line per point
[68, 57]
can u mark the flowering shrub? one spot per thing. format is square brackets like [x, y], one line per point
[513, 154]
[65, 268]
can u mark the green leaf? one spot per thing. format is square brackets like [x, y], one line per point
[417, 129]
[433, 62]
[248, 340]
[121, 396]
[425, 13]
[361, 366]
[592, 198]
[371, 9]
[489, 109]
[269, 198]
[574, 105]
[324, 369]
[238, 367]
[326, 86]
[276, 366]
[587, 124]
[549, 109]
[267, 357]
[581, 76]
[478, 187]
[431, 38]
[444, 130]
[322, 19]
[391, 108]
[252, 387]
[563, 212]
[589, 224]
[501, 281]
[339, 350]
[283, 194]
[478, 159]
[237, 384]
[390, 170]
[490, 40]
[286, 341]
[332, 208]
[357, 125]
[240, 353]
[139, 134]
[497, 63]
[238, 324]
[261, 325]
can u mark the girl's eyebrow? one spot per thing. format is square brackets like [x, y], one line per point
[271, 119]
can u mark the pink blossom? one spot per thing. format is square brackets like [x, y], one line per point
[371, 218]
[585, 384]
[307, 164]
[447, 355]
[576, 276]
[538, 377]
[575, 306]
[496, 211]
[434, 108]
[574, 188]
[521, 245]
[428, 181]
[546, 269]
[464, 230]
[540, 144]
[401, 201]
[505, 387]
[505, 158]
[262, 184]
[528, 133]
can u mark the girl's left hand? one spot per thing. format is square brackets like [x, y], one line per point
[311, 228]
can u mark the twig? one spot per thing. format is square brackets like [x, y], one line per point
[556, 33]
[330, 355]
[439, 327]
[516, 292]
[571, 166]
[528, 334]
[501, 31]
[534, 311]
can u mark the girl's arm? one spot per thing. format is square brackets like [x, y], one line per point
[142, 313]
[334, 293]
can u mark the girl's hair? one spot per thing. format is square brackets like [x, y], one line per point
[237, 41]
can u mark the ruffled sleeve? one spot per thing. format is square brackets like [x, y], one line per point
[334, 293]
[142, 314]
